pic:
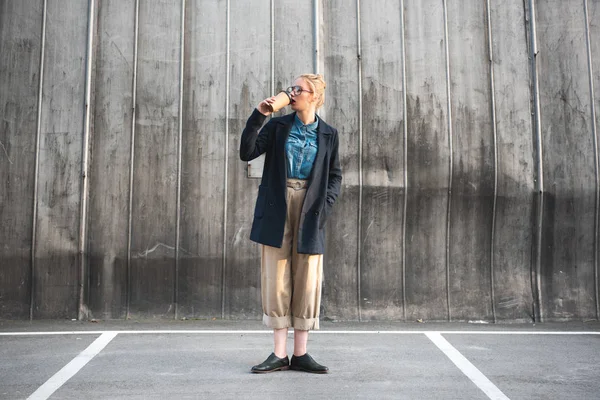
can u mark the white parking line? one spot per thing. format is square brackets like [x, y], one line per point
[323, 332]
[466, 367]
[67, 372]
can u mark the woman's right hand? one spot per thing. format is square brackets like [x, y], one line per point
[263, 106]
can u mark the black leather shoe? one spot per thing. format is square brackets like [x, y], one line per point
[272, 364]
[307, 364]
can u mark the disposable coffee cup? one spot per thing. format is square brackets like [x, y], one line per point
[281, 100]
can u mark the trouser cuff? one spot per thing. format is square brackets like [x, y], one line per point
[305, 324]
[277, 322]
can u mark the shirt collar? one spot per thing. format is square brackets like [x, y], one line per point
[310, 127]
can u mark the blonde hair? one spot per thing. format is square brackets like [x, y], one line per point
[318, 84]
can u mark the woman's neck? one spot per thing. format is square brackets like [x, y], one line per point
[306, 116]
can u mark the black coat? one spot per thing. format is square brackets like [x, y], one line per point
[271, 207]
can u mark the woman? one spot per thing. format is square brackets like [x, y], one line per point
[301, 181]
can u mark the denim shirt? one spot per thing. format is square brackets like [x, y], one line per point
[301, 149]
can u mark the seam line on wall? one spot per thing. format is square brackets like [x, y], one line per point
[405, 155]
[495, 154]
[37, 163]
[451, 160]
[596, 165]
[539, 164]
[179, 159]
[316, 36]
[132, 157]
[272, 21]
[226, 159]
[84, 186]
[360, 164]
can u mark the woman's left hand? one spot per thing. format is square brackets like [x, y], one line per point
[264, 106]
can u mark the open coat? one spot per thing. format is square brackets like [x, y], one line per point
[271, 207]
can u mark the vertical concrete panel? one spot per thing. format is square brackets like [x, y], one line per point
[155, 166]
[594, 33]
[57, 270]
[513, 229]
[428, 161]
[383, 162]
[473, 179]
[20, 43]
[250, 39]
[109, 167]
[202, 177]
[568, 160]
[293, 50]
[339, 47]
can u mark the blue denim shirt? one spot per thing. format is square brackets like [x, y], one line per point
[301, 149]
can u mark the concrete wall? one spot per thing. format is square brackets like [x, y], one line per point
[468, 140]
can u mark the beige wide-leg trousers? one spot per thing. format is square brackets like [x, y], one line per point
[291, 282]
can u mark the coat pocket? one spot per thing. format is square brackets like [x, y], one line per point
[325, 214]
[261, 201]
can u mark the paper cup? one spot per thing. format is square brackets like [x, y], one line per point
[281, 100]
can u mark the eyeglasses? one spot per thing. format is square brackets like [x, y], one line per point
[296, 90]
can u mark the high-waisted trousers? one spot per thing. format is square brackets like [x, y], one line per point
[291, 282]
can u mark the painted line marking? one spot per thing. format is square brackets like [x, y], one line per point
[262, 332]
[67, 372]
[466, 367]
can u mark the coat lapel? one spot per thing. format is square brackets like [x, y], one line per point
[323, 134]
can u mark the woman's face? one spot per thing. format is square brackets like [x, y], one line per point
[306, 99]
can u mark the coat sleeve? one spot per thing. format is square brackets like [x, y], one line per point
[253, 143]
[334, 181]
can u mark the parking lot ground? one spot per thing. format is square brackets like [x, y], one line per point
[206, 359]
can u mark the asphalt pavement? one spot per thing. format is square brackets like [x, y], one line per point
[211, 359]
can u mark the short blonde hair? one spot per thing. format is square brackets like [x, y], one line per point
[318, 85]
